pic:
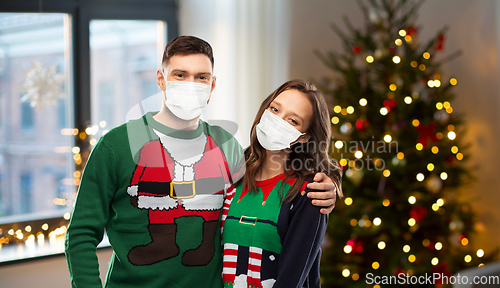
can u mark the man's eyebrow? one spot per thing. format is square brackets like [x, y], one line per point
[178, 71]
[204, 74]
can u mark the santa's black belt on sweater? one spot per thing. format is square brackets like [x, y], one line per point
[185, 189]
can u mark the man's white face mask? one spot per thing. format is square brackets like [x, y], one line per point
[186, 100]
[275, 133]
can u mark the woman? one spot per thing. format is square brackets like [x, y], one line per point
[272, 232]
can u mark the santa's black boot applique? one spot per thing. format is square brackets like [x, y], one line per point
[205, 252]
[162, 246]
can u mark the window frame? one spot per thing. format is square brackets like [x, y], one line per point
[81, 12]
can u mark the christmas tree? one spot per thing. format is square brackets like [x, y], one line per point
[400, 144]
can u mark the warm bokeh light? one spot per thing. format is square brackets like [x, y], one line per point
[430, 167]
[358, 154]
[420, 177]
[435, 261]
[480, 253]
[339, 144]
[347, 249]
[412, 199]
[443, 175]
[381, 245]
[412, 222]
[440, 202]
[348, 201]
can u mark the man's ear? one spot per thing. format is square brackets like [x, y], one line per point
[304, 138]
[213, 83]
[160, 80]
[212, 88]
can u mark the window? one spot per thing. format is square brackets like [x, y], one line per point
[25, 201]
[124, 54]
[104, 108]
[26, 116]
[3, 205]
[34, 45]
[61, 114]
[51, 91]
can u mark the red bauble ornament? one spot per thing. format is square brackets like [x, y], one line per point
[357, 245]
[440, 42]
[361, 124]
[411, 30]
[431, 245]
[356, 49]
[390, 103]
[418, 213]
[450, 160]
[427, 132]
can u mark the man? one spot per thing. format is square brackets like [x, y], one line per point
[157, 184]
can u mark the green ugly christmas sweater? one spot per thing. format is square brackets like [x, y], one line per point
[268, 242]
[157, 193]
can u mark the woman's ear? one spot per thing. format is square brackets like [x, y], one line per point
[304, 138]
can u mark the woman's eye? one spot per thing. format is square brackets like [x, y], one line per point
[294, 122]
[274, 109]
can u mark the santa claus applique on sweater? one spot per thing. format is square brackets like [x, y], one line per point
[178, 178]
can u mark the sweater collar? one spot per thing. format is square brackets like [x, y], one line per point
[181, 134]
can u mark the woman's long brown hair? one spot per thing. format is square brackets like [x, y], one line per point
[305, 159]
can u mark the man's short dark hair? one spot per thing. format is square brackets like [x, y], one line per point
[187, 45]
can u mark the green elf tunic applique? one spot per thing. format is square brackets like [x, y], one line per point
[268, 243]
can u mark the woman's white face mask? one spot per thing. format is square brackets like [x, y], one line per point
[186, 100]
[274, 133]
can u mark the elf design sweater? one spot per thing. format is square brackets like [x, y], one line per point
[158, 193]
[268, 244]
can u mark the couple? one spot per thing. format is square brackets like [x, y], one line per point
[158, 184]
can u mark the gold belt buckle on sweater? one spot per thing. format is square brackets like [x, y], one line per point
[249, 219]
[190, 183]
